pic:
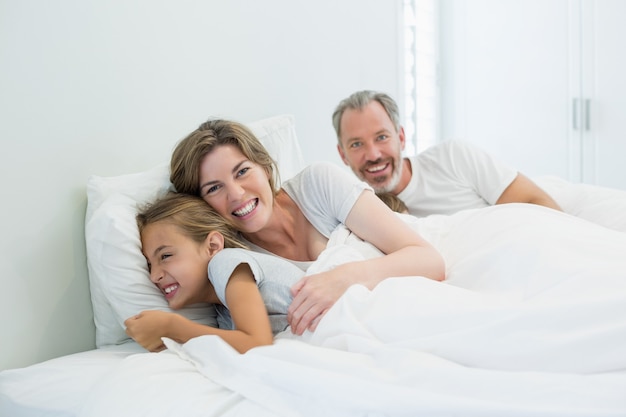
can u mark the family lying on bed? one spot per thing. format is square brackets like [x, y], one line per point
[252, 250]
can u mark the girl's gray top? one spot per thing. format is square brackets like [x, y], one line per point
[274, 277]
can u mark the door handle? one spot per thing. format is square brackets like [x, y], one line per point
[575, 114]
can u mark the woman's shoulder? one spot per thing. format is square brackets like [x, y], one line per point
[323, 171]
[321, 167]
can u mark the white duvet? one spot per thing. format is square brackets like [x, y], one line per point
[531, 321]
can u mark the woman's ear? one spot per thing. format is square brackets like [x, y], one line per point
[214, 242]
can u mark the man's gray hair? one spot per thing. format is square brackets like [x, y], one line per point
[358, 101]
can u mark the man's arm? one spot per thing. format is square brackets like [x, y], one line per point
[523, 190]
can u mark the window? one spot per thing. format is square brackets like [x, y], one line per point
[421, 101]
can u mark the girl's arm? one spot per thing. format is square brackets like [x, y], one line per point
[252, 324]
[407, 254]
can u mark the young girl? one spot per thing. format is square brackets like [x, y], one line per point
[194, 256]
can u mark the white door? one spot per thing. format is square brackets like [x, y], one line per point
[538, 83]
[604, 91]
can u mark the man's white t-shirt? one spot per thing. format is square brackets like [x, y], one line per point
[454, 176]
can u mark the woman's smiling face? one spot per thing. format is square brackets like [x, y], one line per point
[237, 188]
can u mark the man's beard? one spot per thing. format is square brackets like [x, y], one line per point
[393, 181]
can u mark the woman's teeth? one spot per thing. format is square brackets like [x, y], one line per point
[246, 209]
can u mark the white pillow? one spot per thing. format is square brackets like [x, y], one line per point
[278, 135]
[118, 274]
[602, 205]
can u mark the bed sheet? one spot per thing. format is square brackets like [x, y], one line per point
[153, 383]
[523, 327]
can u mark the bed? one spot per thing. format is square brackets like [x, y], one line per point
[523, 326]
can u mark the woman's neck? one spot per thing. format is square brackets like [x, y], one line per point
[284, 234]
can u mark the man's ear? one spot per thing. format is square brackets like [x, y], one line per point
[402, 137]
[342, 154]
[214, 242]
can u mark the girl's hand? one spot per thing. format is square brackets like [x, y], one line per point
[147, 328]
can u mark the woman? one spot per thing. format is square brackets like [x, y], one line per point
[224, 163]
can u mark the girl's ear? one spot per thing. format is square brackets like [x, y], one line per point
[214, 242]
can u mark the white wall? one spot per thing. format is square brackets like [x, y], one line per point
[105, 87]
[504, 80]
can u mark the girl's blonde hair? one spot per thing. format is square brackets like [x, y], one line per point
[394, 202]
[192, 215]
[190, 152]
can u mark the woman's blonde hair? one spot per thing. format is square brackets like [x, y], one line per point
[192, 215]
[190, 152]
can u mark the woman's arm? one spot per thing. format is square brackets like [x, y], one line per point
[407, 254]
[252, 325]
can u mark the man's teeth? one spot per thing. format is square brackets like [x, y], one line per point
[377, 168]
[170, 289]
[246, 209]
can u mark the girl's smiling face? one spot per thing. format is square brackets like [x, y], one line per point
[237, 188]
[177, 264]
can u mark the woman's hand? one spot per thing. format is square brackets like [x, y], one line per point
[313, 296]
[147, 328]
[406, 253]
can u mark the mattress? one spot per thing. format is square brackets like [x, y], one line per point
[57, 387]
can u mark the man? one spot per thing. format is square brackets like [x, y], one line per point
[444, 179]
